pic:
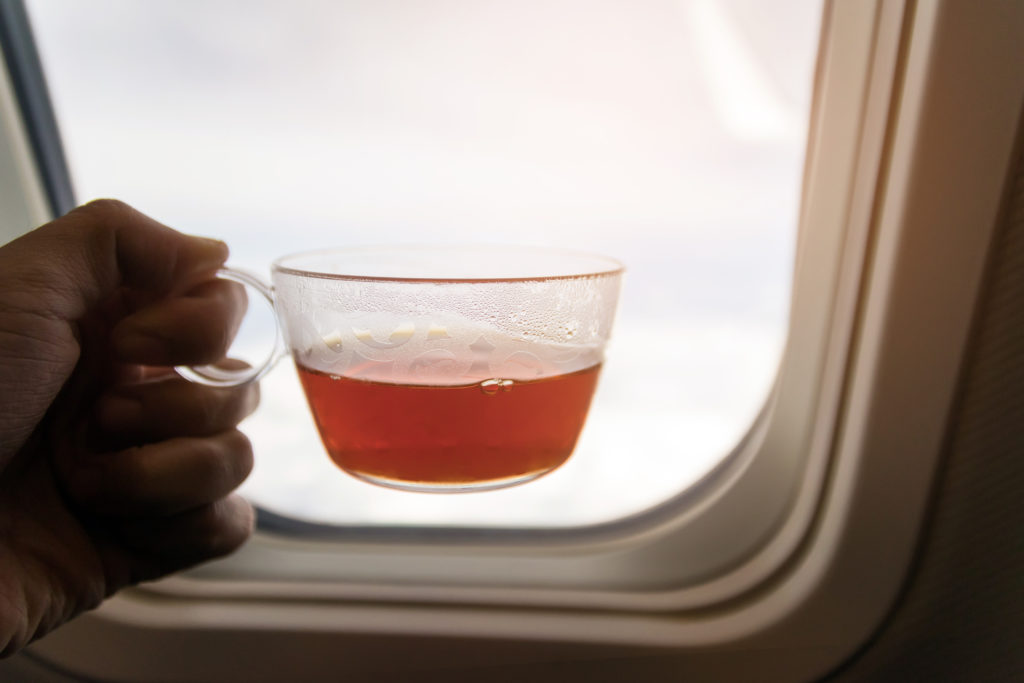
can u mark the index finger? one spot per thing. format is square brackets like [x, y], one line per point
[78, 260]
[196, 327]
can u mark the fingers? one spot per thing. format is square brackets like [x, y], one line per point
[166, 505]
[190, 329]
[160, 479]
[176, 542]
[74, 263]
[172, 407]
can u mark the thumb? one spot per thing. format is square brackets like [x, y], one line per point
[55, 276]
[69, 266]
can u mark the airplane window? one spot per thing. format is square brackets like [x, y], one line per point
[667, 134]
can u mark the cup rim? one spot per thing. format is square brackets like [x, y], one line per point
[602, 266]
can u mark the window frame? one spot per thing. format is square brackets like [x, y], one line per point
[762, 495]
[895, 262]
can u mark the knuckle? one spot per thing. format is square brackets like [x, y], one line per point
[211, 340]
[235, 301]
[96, 221]
[209, 411]
[103, 213]
[239, 298]
[130, 472]
[210, 465]
[224, 525]
[226, 459]
[237, 403]
[105, 206]
[252, 398]
[227, 293]
[242, 455]
[219, 337]
[201, 344]
[210, 406]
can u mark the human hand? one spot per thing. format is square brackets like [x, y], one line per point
[112, 469]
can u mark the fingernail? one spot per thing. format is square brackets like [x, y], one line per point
[116, 412]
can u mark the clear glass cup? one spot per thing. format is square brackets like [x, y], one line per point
[440, 368]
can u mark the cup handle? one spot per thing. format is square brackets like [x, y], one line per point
[213, 376]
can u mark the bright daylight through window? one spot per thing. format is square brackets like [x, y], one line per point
[668, 134]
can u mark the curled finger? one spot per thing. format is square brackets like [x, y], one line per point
[162, 478]
[190, 329]
[179, 541]
[153, 411]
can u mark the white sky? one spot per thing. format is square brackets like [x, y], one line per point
[667, 134]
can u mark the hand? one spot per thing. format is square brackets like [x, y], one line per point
[112, 469]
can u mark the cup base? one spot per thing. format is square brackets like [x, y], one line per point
[448, 487]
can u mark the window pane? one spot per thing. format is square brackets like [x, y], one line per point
[669, 135]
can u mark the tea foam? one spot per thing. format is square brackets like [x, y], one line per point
[427, 352]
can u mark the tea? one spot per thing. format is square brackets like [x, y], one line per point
[424, 437]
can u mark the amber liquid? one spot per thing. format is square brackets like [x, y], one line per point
[481, 435]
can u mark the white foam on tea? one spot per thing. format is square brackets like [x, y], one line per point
[427, 352]
[445, 333]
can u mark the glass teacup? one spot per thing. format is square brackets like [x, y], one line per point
[441, 368]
